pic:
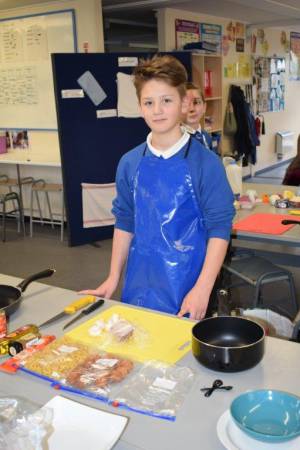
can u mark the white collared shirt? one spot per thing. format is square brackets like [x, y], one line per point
[189, 129]
[170, 151]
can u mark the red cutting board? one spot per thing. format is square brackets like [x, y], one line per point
[263, 223]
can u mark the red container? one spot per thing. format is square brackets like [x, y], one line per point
[3, 148]
[208, 83]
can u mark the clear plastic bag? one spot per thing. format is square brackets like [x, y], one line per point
[98, 373]
[56, 360]
[275, 324]
[117, 331]
[157, 389]
[24, 425]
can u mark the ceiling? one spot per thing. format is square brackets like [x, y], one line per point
[132, 23]
[278, 12]
[138, 13]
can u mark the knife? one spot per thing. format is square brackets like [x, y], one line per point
[85, 312]
[72, 308]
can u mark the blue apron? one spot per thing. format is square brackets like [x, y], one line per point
[169, 244]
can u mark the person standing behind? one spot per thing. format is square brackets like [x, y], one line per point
[174, 206]
[292, 174]
[196, 110]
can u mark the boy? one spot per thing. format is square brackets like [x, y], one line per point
[174, 206]
[196, 110]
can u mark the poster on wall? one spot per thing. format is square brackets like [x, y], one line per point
[186, 32]
[26, 79]
[211, 34]
[294, 56]
[239, 30]
[270, 84]
[239, 45]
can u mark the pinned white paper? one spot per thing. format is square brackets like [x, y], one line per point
[97, 204]
[127, 61]
[72, 93]
[104, 113]
[92, 88]
[128, 104]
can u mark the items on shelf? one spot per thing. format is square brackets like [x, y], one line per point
[199, 37]
[208, 83]
[207, 74]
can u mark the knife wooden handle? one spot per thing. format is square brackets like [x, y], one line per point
[79, 304]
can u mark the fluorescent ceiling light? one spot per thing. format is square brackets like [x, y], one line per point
[137, 4]
[142, 45]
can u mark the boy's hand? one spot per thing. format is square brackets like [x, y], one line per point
[195, 303]
[106, 289]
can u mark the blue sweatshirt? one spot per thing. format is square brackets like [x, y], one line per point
[210, 185]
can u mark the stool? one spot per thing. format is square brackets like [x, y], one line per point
[11, 196]
[13, 182]
[39, 186]
[256, 271]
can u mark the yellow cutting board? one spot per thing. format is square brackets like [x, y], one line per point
[156, 337]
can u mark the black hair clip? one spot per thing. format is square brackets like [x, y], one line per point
[217, 384]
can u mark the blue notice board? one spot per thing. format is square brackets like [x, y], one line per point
[91, 148]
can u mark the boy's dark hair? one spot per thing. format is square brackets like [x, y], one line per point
[163, 68]
[191, 86]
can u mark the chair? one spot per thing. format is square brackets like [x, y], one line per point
[4, 199]
[256, 271]
[11, 183]
[38, 187]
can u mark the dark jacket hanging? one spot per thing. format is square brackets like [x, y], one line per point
[245, 139]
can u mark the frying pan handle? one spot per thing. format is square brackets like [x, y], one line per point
[290, 222]
[44, 274]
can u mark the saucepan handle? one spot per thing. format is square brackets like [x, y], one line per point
[44, 274]
[290, 222]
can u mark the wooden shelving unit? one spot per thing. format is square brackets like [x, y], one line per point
[211, 64]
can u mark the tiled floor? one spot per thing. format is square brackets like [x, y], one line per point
[273, 176]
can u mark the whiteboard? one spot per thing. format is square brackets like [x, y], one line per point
[26, 82]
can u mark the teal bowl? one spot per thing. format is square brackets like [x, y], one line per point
[267, 415]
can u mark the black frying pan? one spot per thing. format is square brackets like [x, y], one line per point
[10, 297]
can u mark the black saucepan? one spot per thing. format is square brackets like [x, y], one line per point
[10, 297]
[228, 343]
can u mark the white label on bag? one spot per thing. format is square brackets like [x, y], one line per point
[67, 349]
[106, 362]
[55, 375]
[164, 383]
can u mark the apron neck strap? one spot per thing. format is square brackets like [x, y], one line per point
[188, 147]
